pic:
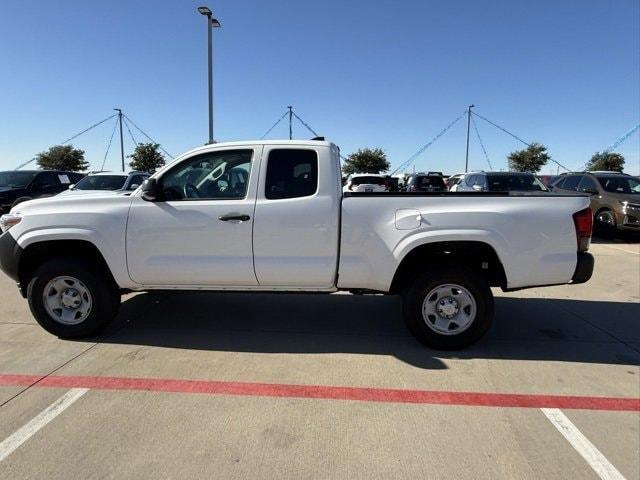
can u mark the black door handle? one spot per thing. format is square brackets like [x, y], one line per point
[227, 218]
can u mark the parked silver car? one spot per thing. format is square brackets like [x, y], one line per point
[107, 181]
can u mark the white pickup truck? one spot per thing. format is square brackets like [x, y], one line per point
[271, 216]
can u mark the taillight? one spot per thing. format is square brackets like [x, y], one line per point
[583, 221]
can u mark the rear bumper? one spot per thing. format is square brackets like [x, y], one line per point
[584, 268]
[10, 253]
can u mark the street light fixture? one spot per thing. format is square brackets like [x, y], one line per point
[211, 23]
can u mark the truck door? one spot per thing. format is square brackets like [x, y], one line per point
[295, 231]
[199, 233]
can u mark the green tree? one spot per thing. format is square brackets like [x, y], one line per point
[606, 161]
[62, 157]
[530, 159]
[366, 160]
[146, 157]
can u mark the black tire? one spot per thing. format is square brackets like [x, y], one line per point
[603, 228]
[105, 298]
[478, 289]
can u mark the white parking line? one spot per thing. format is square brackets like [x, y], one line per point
[622, 249]
[11, 443]
[582, 445]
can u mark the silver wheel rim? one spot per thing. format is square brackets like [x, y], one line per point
[449, 309]
[607, 218]
[67, 300]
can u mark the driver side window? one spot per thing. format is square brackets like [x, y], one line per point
[209, 176]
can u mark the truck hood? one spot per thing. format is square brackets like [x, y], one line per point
[65, 203]
[68, 193]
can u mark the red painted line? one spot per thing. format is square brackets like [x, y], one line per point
[388, 395]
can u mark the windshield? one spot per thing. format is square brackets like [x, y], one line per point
[101, 182]
[619, 184]
[368, 181]
[515, 183]
[16, 179]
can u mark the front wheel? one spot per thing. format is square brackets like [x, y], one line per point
[605, 223]
[448, 308]
[70, 298]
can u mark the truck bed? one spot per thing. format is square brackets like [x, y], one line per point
[532, 233]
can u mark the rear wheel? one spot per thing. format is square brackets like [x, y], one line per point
[448, 308]
[71, 298]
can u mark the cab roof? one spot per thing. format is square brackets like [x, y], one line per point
[245, 143]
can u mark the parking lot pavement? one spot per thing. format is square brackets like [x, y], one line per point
[265, 365]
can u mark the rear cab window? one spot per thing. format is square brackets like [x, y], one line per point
[291, 173]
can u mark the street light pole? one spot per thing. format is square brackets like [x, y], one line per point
[466, 161]
[211, 23]
[290, 122]
[121, 141]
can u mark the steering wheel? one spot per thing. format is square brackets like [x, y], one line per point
[191, 191]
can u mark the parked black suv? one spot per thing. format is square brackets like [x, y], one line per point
[19, 185]
[426, 182]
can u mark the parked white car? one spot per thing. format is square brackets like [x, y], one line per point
[366, 182]
[107, 181]
[271, 216]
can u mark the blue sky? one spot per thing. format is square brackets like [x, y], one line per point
[387, 74]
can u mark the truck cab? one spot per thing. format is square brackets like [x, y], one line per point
[251, 216]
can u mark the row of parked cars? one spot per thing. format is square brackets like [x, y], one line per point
[615, 196]
[437, 182]
[17, 186]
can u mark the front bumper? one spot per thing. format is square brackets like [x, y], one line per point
[10, 253]
[584, 268]
[628, 218]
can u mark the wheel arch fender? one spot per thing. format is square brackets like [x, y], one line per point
[481, 249]
[36, 249]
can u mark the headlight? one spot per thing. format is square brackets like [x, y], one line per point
[9, 220]
[627, 207]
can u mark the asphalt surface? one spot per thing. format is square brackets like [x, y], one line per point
[262, 403]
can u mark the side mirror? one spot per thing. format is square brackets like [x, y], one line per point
[151, 190]
[477, 188]
[133, 186]
[71, 186]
